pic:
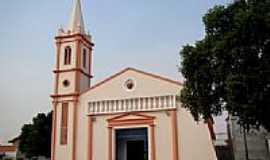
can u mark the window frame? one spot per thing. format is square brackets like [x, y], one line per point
[84, 58]
[67, 55]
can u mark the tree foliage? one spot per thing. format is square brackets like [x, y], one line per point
[229, 69]
[35, 138]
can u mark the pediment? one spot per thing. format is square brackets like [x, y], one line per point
[142, 84]
[132, 116]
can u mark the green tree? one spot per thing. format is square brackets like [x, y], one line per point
[229, 69]
[35, 138]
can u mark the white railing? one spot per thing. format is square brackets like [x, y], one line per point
[133, 104]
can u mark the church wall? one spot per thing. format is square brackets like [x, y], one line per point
[100, 136]
[84, 80]
[163, 133]
[85, 69]
[82, 132]
[114, 89]
[84, 84]
[64, 151]
[194, 139]
[67, 76]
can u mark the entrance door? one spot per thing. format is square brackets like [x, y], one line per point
[135, 150]
[131, 144]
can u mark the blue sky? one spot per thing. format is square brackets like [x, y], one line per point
[145, 34]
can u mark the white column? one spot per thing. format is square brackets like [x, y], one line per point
[132, 104]
[166, 101]
[155, 102]
[107, 106]
[146, 103]
[90, 107]
[141, 103]
[174, 101]
[113, 106]
[103, 106]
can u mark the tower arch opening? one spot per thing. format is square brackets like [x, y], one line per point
[67, 58]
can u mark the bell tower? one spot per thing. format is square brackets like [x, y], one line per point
[72, 76]
[73, 70]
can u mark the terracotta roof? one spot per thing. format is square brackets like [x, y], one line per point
[7, 148]
[135, 70]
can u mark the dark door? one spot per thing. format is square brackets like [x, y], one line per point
[135, 150]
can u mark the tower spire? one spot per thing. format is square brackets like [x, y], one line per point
[76, 24]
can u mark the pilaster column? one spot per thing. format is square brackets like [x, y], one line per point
[110, 143]
[78, 65]
[90, 138]
[57, 66]
[53, 133]
[173, 114]
[74, 138]
[153, 143]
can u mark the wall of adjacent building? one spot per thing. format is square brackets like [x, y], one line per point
[256, 141]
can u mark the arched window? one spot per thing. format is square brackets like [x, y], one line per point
[67, 57]
[84, 58]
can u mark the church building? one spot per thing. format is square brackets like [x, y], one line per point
[131, 115]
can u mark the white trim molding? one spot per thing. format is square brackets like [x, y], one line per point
[137, 104]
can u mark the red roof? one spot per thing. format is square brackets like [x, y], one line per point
[7, 148]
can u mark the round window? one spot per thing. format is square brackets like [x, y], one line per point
[66, 83]
[129, 84]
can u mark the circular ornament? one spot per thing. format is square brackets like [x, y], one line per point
[66, 83]
[129, 84]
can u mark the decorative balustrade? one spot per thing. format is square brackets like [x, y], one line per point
[133, 104]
